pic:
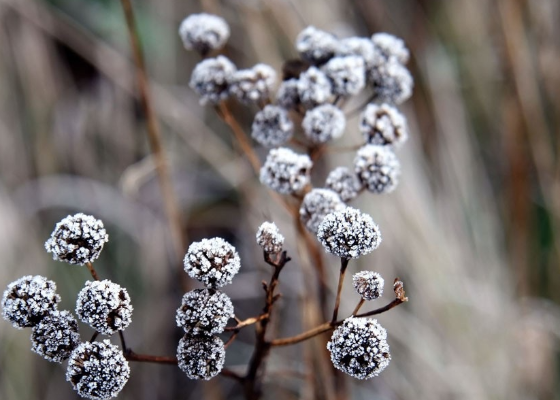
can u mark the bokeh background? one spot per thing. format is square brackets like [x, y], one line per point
[472, 229]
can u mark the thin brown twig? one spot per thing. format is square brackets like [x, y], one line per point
[132, 356]
[360, 304]
[343, 265]
[231, 339]
[246, 322]
[92, 271]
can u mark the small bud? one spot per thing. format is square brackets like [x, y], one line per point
[270, 238]
[344, 182]
[368, 284]
[323, 123]
[285, 171]
[214, 262]
[211, 79]
[272, 126]
[204, 32]
[383, 125]
[378, 168]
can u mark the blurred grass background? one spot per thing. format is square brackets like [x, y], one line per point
[472, 228]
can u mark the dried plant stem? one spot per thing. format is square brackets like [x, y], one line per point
[246, 322]
[343, 265]
[92, 271]
[132, 356]
[360, 304]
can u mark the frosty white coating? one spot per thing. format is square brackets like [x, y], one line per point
[253, 85]
[362, 47]
[201, 357]
[347, 75]
[368, 284]
[211, 79]
[378, 168]
[269, 238]
[315, 45]
[272, 126]
[28, 300]
[77, 239]
[324, 123]
[214, 262]
[316, 205]
[383, 124]
[105, 306]
[56, 336]
[285, 171]
[287, 95]
[344, 182]
[391, 46]
[349, 233]
[97, 370]
[203, 32]
[204, 312]
[392, 82]
[314, 87]
[359, 348]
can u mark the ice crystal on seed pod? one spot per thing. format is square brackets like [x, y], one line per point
[362, 47]
[77, 239]
[272, 126]
[287, 95]
[203, 32]
[204, 312]
[316, 205]
[56, 336]
[368, 284]
[314, 88]
[214, 262]
[28, 300]
[391, 81]
[105, 306]
[391, 46]
[201, 357]
[211, 79]
[253, 85]
[347, 75]
[97, 370]
[315, 45]
[349, 233]
[378, 168]
[344, 182]
[383, 124]
[285, 171]
[269, 238]
[359, 348]
[323, 123]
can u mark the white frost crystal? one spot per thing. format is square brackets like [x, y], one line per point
[105, 306]
[359, 348]
[272, 126]
[362, 47]
[204, 312]
[314, 87]
[377, 168]
[201, 357]
[285, 171]
[347, 75]
[77, 239]
[349, 233]
[315, 45]
[253, 85]
[392, 82]
[203, 32]
[214, 262]
[56, 336]
[368, 284]
[344, 182]
[97, 370]
[287, 95]
[323, 123]
[269, 238]
[316, 205]
[383, 124]
[211, 79]
[391, 46]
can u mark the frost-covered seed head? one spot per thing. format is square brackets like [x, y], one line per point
[315, 45]
[97, 370]
[270, 238]
[285, 171]
[378, 168]
[203, 32]
[359, 348]
[368, 284]
[253, 85]
[362, 47]
[314, 88]
[272, 126]
[391, 46]
[28, 300]
[316, 205]
[204, 312]
[392, 82]
[347, 75]
[211, 78]
[349, 233]
[287, 95]
[77, 239]
[105, 306]
[344, 182]
[214, 262]
[56, 336]
[383, 124]
[323, 123]
[201, 357]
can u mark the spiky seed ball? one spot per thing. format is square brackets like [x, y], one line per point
[349, 233]
[105, 306]
[56, 336]
[204, 312]
[214, 262]
[253, 85]
[287, 95]
[316, 205]
[368, 284]
[211, 79]
[97, 370]
[314, 88]
[272, 126]
[315, 45]
[269, 238]
[383, 124]
[323, 123]
[391, 81]
[378, 168]
[362, 47]
[347, 75]
[201, 357]
[344, 182]
[391, 46]
[28, 300]
[77, 239]
[359, 348]
[203, 32]
[285, 171]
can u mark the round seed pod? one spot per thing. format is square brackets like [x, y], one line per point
[384, 125]
[269, 238]
[204, 32]
[272, 126]
[368, 284]
[323, 123]
[56, 336]
[211, 79]
[286, 171]
[201, 357]
[344, 182]
[204, 312]
[347, 75]
[316, 46]
[214, 262]
[378, 168]
[314, 88]
[316, 205]
[391, 81]
[254, 84]
[391, 46]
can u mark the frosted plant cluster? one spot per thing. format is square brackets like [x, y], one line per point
[204, 312]
[253, 85]
[323, 123]
[269, 238]
[383, 124]
[316, 46]
[368, 284]
[347, 75]
[55, 336]
[211, 79]
[200, 357]
[272, 126]
[286, 171]
[316, 205]
[344, 182]
[377, 168]
[204, 32]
